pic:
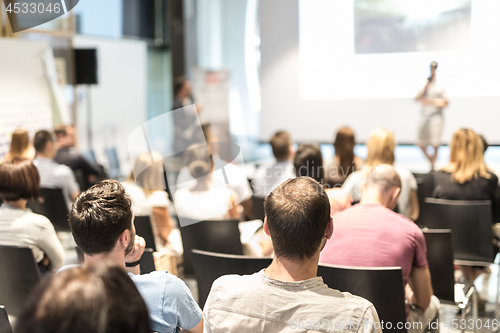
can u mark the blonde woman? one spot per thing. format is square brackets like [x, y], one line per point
[466, 177]
[149, 197]
[381, 145]
[20, 146]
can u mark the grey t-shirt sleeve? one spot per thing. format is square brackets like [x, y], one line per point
[69, 182]
[48, 242]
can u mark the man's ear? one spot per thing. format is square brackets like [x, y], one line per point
[329, 229]
[395, 195]
[124, 239]
[266, 227]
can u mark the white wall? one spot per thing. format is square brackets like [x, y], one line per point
[317, 120]
[119, 101]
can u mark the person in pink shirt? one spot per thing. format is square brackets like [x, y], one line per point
[371, 234]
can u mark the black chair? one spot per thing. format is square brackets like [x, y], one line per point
[53, 206]
[440, 259]
[19, 275]
[4, 321]
[147, 262]
[209, 266]
[144, 229]
[213, 236]
[470, 222]
[381, 286]
[258, 207]
[425, 182]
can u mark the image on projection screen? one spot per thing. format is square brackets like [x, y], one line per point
[385, 26]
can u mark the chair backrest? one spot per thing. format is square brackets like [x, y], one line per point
[214, 236]
[209, 266]
[113, 162]
[470, 222]
[19, 275]
[440, 259]
[4, 321]
[381, 286]
[144, 229]
[258, 208]
[53, 206]
[147, 262]
[425, 183]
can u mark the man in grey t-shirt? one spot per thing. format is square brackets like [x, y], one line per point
[288, 295]
[434, 99]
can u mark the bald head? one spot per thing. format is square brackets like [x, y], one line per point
[383, 185]
[384, 177]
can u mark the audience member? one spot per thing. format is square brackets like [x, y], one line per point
[67, 155]
[98, 299]
[466, 177]
[381, 147]
[308, 162]
[370, 234]
[233, 174]
[101, 221]
[20, 146]
[344, 162]
[289, 291]
[270, 176]
[205, 200]
[52, 174]
[148, 195]
[20, 182]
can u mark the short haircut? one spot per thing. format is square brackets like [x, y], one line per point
[297, 215]
[179, 83]
[280, 144]
[61, 130]
[41, 139]
[99, 216]
[19, 179]
[94, 298]
[384, 177]
[308, 162]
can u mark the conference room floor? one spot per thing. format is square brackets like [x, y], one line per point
[486, 285]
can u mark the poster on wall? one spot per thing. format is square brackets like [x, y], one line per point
[211, 91]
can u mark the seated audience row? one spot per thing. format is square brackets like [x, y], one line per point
[19, 183]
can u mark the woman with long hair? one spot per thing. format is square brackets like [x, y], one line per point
[344, 162]
[147, 189]
[467, 177]
[381, 145]
[20, 146]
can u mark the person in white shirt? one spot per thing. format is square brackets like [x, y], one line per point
[19, 182]
[434, 99]
[270, 176]
[233, 175]
[204, 201]
[288, 295]
[149, 197]
[53, 174]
